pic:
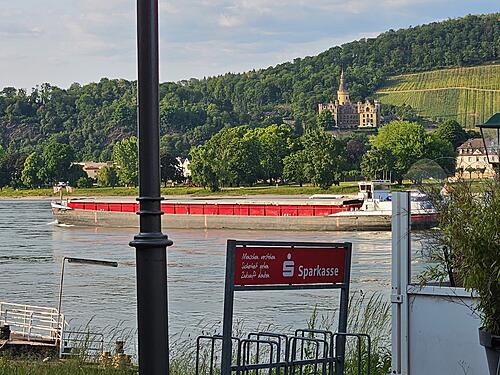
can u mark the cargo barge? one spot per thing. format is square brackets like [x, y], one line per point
[370, 211]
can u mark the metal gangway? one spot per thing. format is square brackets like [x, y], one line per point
[31, 325]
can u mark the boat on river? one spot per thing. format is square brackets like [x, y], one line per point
[370, 210]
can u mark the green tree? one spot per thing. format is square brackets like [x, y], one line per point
[56, 162]
[30, 175]
[274, 142]
[5, 172]
[294, 167]
[77, 174]
[442, 152]
[171, 170]
[451, 131]
[378, 164]
[126, 158]
[107, 176]
[203, 167]
[325, 120]
[406, 141]
[84, 182]
[324, 158]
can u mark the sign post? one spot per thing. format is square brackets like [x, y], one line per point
[265, 265]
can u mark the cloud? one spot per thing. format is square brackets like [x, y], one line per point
[82, 40]
[229, 21]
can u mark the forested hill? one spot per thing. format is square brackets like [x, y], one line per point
[92, 117]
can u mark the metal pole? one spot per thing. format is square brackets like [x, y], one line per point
[227, 325]
[150, 243]
[344, 307]
[401, 258]
[61, 289]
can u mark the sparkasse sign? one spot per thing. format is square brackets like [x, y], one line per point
[269, 265]
[279, 265]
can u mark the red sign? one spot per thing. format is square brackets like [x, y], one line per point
[286, 265]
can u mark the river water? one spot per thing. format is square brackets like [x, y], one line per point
[32, 247]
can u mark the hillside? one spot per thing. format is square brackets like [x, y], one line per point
[469, 95]
[92, 117]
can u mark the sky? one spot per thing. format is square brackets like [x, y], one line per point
[66, 41]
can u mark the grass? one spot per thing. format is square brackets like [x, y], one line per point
[469, 95]
[368, 313]
[67, 367]
[344, 188]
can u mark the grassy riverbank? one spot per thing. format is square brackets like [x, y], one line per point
[344, 188]
[368, 314]
[68, 367]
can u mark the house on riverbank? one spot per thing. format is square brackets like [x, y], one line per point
[472, 161]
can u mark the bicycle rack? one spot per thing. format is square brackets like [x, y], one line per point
[306, 352]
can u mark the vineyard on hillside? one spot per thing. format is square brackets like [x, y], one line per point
[469, 95]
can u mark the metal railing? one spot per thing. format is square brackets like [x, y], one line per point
[33, 323]
[85, 344]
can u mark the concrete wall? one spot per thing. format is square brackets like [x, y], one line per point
[443, 332]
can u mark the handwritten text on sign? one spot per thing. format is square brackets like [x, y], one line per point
[285, 265]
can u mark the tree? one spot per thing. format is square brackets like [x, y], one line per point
[451, 131]
[107, 176]
[171, 170]
[406, 141]
[294, 167]
[56, 162]
[377, 164]
[324, 158]
[274, 143]
[30, 175]
[203, 168]
[356, 145]
[77, 174]
[126, 158]
[325, 120]
[442, 152]
[84, 182]
[6, 169]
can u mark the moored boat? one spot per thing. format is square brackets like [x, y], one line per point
[370, 210]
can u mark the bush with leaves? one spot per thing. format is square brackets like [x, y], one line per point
[466, 250]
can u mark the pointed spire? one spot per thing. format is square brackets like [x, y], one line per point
[342, 82]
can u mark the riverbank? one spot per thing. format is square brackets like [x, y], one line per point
[181, 191]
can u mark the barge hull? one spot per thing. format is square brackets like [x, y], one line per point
[303, 223]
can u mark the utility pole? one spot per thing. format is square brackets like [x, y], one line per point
[150, 243]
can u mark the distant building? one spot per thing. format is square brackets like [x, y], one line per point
[186, 172]
[472, 161]
[348, 115]
[91, 168]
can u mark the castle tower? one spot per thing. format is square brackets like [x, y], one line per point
[342, 94]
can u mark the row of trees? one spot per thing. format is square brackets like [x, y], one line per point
[56, 163]
[242, 155]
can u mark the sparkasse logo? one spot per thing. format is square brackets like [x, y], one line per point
[288, 266]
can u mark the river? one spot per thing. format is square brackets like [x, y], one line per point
[32, 247]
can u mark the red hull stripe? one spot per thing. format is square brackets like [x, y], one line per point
[222, 209]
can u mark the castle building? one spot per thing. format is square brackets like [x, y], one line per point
[349, 115]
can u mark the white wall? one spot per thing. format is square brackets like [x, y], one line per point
[443, 332]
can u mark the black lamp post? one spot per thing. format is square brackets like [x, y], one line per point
[490, 131]
[150, 243]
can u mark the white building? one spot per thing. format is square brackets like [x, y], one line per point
[186, 172]
[472, 161]
[91, 168]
